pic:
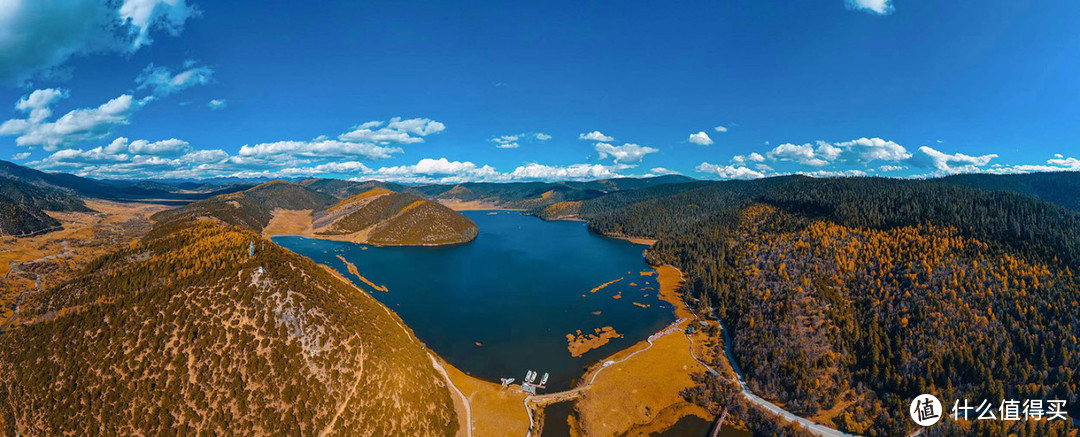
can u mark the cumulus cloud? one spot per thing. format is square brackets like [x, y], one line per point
[536, 171]
[821, 153]
[73, 128]
[217, 104]
[39, 36]
[879, 7]
[803, 154]
[595, 136]
[700, 138]
[946, 163]
[169, 147]
[20, 156]
[864, 150]
[743, 159]
[162, 82]
[542, 136]
[316, 149]
[625, 154]
[38, 102]
[729, 171]
[720, 129]
[396, 131]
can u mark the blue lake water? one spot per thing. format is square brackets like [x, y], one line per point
[517, 289]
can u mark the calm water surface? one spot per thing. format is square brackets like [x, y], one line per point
[517, 290]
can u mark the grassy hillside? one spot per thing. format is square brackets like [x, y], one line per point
[392, 218]
[185, 333]
[251, 209]
[848, 297]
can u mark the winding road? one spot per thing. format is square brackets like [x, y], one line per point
[807, 424]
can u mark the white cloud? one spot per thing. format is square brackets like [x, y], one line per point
[37, 37]
[506, 141]
[624, 154]
[286, 150]
[879, 7]
[162, 82]
[38, 102]
[864, 150]
[514, 141]
[832, 174]
[803, 154]
[720, 129]
[888, 168]
[595, 136]
[743, 159]
[945, 163]
[571, 172]
[729, 171]
[73, 128]
[396, 131]
[217, 104]
[20, 156]
[700, 138]
[660, 171]
[169, 147]
[143, 15]
[860, 151]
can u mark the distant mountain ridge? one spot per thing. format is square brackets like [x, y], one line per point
[373, 215]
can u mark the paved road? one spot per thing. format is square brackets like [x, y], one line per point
[811, 426]
[571, 393]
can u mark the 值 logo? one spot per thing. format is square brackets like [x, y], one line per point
[926, 410]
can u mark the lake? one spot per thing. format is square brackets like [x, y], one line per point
[505, 302]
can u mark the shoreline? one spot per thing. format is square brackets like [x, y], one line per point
[487, 408]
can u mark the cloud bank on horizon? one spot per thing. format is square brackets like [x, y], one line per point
[42, 40]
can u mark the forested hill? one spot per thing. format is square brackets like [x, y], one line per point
[1059, 188]
[384, 217]
[186, 333]
[852, 296]
[253, 208]
[23, 206]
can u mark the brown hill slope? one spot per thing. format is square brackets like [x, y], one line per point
[185, 332]
[253, 208]
[381, 216]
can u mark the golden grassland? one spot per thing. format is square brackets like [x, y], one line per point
[635, 240]
[289, 222]
[496, 411]
[581, 343]
[356, 272]
[472, 205]
[604, 285]
[640, 396]
[56, 256]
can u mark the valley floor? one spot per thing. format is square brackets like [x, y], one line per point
[29, 264]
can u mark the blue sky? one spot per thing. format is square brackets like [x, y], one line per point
[503, 91]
